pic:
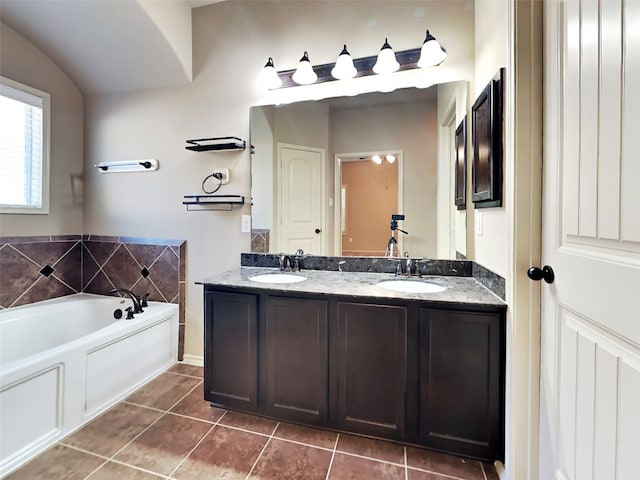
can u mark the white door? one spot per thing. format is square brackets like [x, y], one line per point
[590, 370]
[301, 197]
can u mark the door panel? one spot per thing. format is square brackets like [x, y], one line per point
[590, 373]
[301, 181]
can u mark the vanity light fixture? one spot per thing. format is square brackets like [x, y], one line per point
[431, 53]
[386, 62]
[269, 77]
[304, 74]
[377, 159]
[390, 158]
[344, 68]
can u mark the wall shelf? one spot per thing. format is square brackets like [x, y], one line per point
[148, 165]
[216, 144]
[212, 202]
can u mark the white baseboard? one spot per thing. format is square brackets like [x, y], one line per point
[197, 360]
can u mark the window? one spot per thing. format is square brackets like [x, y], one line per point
[24, 148]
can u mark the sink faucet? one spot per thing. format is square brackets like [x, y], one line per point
[137, 305]
[285, 263]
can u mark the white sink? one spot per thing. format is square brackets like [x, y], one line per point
[277, 278]
[411, 286]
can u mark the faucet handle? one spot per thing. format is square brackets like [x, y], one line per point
[143, 300]
[129, 311]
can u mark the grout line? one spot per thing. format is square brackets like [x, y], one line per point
[482, 470]
[406, 464]
[154, 422]
[297, 442]
[335, 446]
[192, 450]
[262, 451]
[184, 374]
[433, 472]
[128, 402]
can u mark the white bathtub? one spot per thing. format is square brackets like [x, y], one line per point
[64, 361]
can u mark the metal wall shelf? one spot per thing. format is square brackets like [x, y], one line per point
[216, 144]
[212, 202]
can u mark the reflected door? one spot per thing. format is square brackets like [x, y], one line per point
[301, 188]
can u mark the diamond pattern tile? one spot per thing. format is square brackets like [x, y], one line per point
[68, 268]
[145, 254]
[122, 268]
[164, 273]
[47, 270]
[101, 251]
[17, 274]
[44, 253]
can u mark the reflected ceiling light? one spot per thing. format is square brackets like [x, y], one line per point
[377, 159]
[269, 77]
[386, 62]
[304, 74]
[390, 158]
[344, 68]
[431, 53]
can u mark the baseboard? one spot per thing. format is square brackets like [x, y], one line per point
[197, 360]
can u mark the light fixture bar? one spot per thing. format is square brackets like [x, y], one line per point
[408, 60]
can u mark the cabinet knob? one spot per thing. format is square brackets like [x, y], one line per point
[545, 273]
[318, 230]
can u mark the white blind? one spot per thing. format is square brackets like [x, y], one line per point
[21, 148]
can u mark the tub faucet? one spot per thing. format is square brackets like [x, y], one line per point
[137, 307]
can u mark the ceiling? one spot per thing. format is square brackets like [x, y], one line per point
[105, 46]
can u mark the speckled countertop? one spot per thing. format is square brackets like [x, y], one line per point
[459, 290]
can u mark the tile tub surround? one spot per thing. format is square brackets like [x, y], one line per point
[40, 268]
[166, 430]
[459, 268]
[460, 290]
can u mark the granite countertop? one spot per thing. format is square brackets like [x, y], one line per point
[459, 290]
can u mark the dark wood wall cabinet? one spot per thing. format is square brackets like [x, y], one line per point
[423, 373]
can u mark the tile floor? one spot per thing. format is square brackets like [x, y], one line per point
[166, 430]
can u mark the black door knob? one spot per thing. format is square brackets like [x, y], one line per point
[545, 273]
[318, 230]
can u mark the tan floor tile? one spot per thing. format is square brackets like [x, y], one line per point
[115, 471]
[310, 436]
[292, 461]
[165, 444]
[224, 453]
[113, 430]
[420, 475]
[368, 447]
[58, 462]
[194, 405]
[164, 391]
[444, 464]
[186, 369]
[249, 422]
[347, 467]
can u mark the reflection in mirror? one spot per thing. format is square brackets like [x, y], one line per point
[321, 180]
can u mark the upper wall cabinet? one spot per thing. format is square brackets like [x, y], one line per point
[486, 119]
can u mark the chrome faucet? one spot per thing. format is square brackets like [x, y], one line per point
[137, 304]
[285, 263]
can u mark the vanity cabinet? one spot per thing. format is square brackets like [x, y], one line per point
[231, 350]
[421, 372]
[371, 361]
[294, 361]
[460, 381]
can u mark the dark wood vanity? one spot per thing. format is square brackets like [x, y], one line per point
[413, 370]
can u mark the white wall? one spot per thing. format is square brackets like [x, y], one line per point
[23, 62]
[492, 51]
[231, 42]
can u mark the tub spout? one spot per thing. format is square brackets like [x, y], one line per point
[137, 307]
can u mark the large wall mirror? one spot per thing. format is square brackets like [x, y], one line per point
[328, 175]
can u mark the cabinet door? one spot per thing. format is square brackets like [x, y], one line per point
[230, 350]
[295, 360]
[371, 368]
[460, 380]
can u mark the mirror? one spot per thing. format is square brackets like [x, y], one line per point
[328, 175]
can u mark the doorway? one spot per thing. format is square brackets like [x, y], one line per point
[368, 192]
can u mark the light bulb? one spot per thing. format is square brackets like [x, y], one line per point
[386, 62]
[390, 158]
[269, 77]
[377, 159]
[431, 53]
[304, 74]
[344, 68]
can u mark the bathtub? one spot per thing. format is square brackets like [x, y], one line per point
[65, 361]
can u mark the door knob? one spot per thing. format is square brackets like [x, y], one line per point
[318, 230]
[545, 273]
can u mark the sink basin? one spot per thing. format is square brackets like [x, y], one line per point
[411, 286]
[277, 278]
